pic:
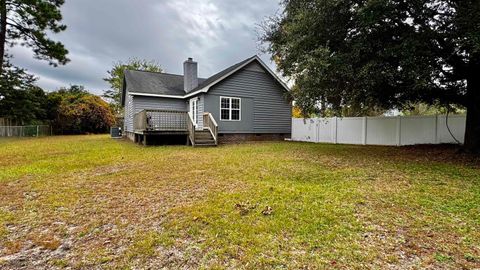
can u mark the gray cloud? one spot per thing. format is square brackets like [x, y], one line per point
[215, 33]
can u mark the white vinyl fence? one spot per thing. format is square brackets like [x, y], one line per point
[398, 130]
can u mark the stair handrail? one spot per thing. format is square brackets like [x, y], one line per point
[211, 124]
[191, 129]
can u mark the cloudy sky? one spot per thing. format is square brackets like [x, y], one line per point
[216, 33]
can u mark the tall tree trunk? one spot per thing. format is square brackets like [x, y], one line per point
[3, 31]
[472, 130]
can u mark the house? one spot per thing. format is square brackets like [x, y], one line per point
[246, 101]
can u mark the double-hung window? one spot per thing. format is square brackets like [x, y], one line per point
[230, 108]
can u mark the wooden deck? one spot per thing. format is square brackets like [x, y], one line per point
[169, 122]
[161, 122]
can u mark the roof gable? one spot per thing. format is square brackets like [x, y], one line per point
[220, 74]
[211, 81]
[171, 85]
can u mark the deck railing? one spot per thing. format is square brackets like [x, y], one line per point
[210, 123]
[160, 120]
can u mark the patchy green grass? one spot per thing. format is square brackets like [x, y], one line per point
[90, 201]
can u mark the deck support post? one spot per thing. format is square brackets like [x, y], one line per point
[144, 140]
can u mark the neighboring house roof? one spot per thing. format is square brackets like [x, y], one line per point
[171, 86]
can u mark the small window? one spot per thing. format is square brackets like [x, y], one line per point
[235, 115]
[225, 114]
[230, 109]
[225, 103]
[236, 103]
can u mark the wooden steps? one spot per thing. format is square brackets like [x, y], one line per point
[204, 138]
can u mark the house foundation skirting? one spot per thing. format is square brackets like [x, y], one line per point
[225, 138]
[136, 138]
[130, 135]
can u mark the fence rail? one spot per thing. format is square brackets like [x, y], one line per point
[400, 130]
[25, 131]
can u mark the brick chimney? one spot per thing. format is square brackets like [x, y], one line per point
[190, 77]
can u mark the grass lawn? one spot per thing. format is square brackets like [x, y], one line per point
[95, 202]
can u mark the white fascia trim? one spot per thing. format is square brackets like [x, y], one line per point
[154, 95]
[206, 88]
[203, 90]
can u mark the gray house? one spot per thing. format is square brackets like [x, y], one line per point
[246, 101]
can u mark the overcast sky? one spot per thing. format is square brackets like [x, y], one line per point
[216, 33]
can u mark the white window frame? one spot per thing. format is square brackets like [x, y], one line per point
[230, 109]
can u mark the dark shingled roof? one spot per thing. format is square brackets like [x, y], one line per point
[168, 84]
[155, 82]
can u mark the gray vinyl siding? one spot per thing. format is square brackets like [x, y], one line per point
[245, 125]
[135, 104]
[128, 121]
[264, 106]
[158, 103]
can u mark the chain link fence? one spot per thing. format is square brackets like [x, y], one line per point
[25, 131]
